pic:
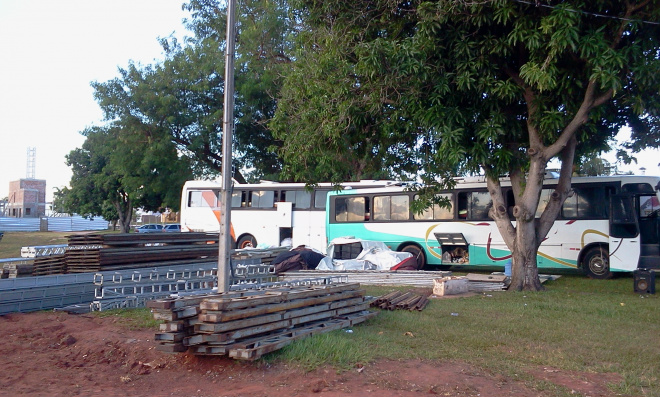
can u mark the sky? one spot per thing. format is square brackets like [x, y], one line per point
[50, 52]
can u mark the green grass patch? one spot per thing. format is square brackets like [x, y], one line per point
[576, 324]
[134, 319]
[12, 242]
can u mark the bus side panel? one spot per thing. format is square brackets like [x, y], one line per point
[262, 224]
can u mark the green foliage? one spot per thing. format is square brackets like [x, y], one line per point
[184, 95]
[441, 85]
[118, 169]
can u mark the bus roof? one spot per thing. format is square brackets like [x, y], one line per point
[480, 182]
[365, 183]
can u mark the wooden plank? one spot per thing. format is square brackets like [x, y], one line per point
[222, 304]
[169, 336]
[173, 326]
[245, 332]
[268, 297]
[172, 315]
[207, 338]
[171, 347]
[242, 323]
[222, 316]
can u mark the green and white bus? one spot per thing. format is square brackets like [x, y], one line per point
[606, 225]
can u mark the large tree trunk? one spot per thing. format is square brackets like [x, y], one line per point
[125, 212]
[524, 272]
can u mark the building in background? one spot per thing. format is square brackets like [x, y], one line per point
[27, 198]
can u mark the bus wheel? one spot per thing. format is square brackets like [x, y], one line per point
[417, 253]
[596, 263]
[246, 241]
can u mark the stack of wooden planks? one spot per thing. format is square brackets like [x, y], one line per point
[17, 268]
[397, 300]
[246, 325]
[51, 264]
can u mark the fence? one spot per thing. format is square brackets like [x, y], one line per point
[58, 224]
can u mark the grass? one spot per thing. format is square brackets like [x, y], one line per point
[12, 242]
[134, 319]
[577, 324]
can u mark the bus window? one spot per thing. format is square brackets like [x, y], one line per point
[395, 208]
[476, 204]
[585, 203]
[351, 209]
[320, 196]
[569, 209]
[194, 199]
[203, 198]
[437, 211]
[301, 199]
[236, 199]
[262, 199]
[400, 208]
[648, 205]
[543, 201]
[591, 203]
[382, 206]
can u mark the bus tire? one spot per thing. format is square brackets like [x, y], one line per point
[417, 253]
[596, 263]
[246, 241]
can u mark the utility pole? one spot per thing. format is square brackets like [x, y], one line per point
[224, 242]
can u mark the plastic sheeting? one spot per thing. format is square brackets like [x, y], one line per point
[374, 255]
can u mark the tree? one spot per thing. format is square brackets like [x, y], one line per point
[118, 169]
[183, 95]
[498, 86]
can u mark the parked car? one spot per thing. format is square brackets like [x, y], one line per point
[151, 228]
[172, 228]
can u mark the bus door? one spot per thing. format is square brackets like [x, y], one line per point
[648, 218]
[284, 219]
[624, 239]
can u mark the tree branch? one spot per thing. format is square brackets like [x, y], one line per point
[581, 116]
[561, 191]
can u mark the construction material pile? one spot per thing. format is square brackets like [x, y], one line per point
[245, 325]
[106, 252]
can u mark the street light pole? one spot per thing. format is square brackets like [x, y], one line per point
[224, 242]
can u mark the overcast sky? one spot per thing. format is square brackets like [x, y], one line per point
[50, 53]
[52, 50]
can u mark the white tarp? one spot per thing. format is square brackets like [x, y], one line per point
[375, 255]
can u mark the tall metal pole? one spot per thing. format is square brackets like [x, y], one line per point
[224, 243]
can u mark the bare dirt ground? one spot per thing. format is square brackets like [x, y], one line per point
[59, 354]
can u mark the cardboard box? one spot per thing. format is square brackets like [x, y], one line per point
[451, 285]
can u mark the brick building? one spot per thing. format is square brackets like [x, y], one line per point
[27, 198]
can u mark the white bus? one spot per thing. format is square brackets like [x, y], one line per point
[266, 213]
[606, 225]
